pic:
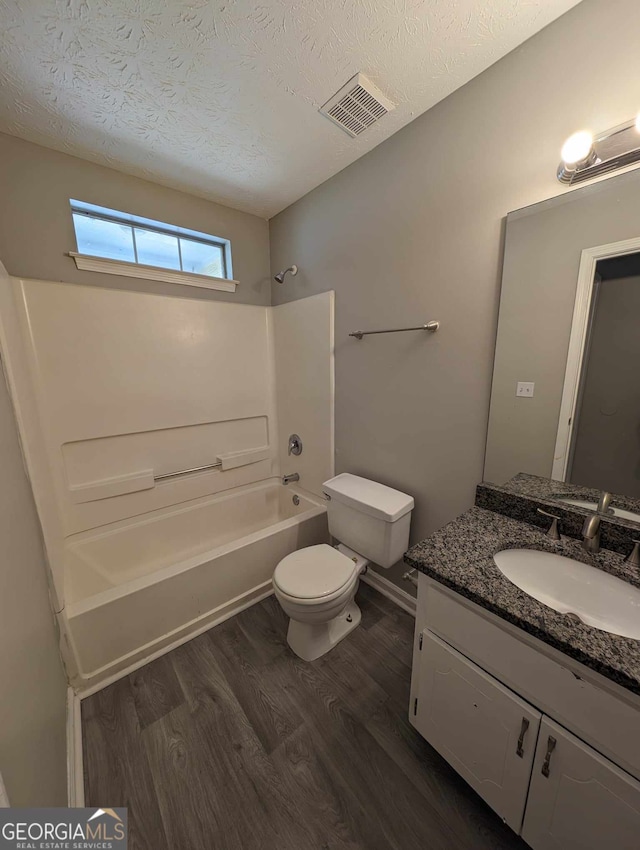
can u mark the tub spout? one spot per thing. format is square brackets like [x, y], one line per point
[293, 476]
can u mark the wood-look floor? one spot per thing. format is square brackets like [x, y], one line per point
[233, 743]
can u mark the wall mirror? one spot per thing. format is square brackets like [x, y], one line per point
[569, 332]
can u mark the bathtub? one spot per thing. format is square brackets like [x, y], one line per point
[138, 586]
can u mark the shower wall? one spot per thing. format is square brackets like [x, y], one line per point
[303, 335]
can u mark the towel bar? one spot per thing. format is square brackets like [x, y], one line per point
[430, 326]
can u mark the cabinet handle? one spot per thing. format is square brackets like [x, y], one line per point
[551, 745]
[523, 732]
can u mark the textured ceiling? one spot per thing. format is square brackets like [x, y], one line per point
[220, 98]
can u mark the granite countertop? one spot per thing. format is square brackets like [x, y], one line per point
[460, 556]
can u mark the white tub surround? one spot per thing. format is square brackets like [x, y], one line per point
[150, 430]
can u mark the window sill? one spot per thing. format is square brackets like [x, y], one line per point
[88, 263]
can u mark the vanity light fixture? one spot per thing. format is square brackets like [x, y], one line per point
[585, 156]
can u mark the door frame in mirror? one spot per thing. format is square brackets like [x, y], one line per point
[576, 354]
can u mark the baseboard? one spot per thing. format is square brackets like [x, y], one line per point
[387, 588]
[75, 772]
[102, 679]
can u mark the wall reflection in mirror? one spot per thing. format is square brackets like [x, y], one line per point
[570, 324]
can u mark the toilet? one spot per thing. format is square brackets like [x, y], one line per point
[316, 586]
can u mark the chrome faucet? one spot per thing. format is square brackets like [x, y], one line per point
[603, 504]
[293, 476]
[592, 528]
[591, 534]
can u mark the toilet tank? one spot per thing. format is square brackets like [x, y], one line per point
[368, 517]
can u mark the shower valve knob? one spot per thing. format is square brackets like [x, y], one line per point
[295, 445]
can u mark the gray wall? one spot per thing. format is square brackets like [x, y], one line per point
[542, 258]
[32, 707]
[36, 230]
[413, 230]
[607, 433]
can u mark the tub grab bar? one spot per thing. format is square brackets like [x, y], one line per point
[164, 475]
[134, 482]
[230, 460]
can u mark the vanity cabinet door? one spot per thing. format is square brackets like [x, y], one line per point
[486, 732]
[578, 799]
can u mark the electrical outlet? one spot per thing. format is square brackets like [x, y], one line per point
[524, 389]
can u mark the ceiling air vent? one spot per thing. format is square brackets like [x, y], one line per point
[357, 105]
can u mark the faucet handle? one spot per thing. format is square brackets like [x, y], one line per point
[633, 557]
[553, 532]
[546, 513]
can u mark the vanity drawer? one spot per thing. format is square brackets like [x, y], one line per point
[610, 724]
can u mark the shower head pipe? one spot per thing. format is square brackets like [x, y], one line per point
[281, 275]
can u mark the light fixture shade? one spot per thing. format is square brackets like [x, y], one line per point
[578, 148]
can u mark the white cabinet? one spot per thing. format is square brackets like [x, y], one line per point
[579, 800]
[486, 732]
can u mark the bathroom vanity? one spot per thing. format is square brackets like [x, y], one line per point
[537, 711]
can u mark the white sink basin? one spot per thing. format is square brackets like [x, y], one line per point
[592, 506]
[597, 598]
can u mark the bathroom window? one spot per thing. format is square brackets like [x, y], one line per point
[117, 236]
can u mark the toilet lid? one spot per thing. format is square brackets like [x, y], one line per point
[314, 572]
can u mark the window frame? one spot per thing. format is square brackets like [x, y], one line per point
[97, 262]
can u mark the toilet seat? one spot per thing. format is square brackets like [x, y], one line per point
[316, 572]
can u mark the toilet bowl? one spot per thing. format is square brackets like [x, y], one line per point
[316, 586]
